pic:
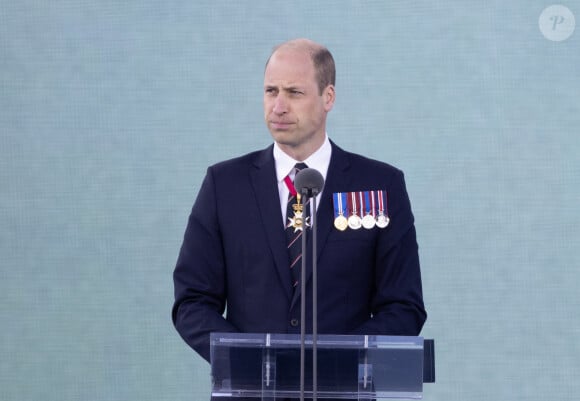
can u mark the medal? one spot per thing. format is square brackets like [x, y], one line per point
[340, 221]
[354, 221]
[368, 221]
[298, 221]
[382, 218]
[382, 221]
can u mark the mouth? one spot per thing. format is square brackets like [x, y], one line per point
[280, 125]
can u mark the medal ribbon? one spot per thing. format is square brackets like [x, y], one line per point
[385, 204]
[339, 203]
[381, 205]
[352, 204]
[290, 185]
[368, 208]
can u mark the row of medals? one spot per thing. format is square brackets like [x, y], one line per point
[341, 223]
[355, 222]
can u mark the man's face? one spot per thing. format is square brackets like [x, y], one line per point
[294, 110]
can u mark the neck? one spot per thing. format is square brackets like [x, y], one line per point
[302, 152]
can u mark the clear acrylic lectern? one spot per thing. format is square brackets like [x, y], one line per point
[267, 366]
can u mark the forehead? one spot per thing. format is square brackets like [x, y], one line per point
[290, 67]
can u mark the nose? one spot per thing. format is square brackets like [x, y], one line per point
[279, 107]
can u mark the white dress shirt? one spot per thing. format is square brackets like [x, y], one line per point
[319, 160]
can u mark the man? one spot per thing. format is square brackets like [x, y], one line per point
[235, 250]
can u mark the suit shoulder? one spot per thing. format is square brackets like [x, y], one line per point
[241, 163]
[368, 164]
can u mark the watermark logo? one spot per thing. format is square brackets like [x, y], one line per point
[557, 23]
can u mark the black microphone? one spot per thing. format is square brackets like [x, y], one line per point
[309, 182]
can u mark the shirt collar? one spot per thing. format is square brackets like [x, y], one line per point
[319, 160]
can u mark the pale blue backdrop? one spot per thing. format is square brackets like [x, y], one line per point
[110, 111]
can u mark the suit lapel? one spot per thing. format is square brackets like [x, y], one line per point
[263, 178]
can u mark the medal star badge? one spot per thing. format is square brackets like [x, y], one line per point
[298, 221]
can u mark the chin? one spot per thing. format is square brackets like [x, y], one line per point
[282, 137]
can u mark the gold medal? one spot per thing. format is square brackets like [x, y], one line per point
[341, 223]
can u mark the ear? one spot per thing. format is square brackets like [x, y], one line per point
[328, 96]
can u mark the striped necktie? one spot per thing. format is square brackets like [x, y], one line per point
[296, 220]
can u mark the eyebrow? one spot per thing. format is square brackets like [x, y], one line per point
[285, 88]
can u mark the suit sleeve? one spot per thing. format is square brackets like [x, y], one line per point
[397, 299]
[200, 275]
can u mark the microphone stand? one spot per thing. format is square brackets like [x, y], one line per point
[309, 193]
[303, 309]
[314, 303]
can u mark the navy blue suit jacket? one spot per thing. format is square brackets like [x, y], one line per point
[234, 254]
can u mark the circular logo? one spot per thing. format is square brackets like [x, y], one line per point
[557, 23]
